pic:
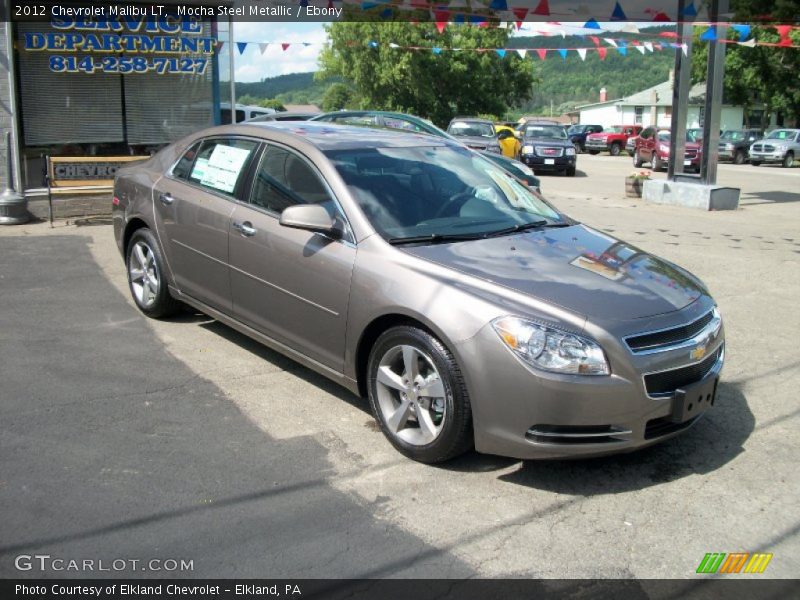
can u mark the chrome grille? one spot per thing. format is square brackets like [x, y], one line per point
[549, 151]
[666, 382]
[668, 337]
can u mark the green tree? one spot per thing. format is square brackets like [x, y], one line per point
[272, 103]
[764, 74]
[437, 86]
[336, 97]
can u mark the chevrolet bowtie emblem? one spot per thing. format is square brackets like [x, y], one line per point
[698, 352]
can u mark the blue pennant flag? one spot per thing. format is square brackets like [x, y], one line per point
[437, 50]
[591, 24]
[373, 44]
[743, 31]
[387, 13]
[623, 50]
[618, 14]
[498, 5]
[563, 53]
[476, 19]
[501, 52]
[709, 34]
[690, 10]
[241, 46]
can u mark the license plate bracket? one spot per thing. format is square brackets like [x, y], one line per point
[549, 161]
[686, 163]
[693, 400]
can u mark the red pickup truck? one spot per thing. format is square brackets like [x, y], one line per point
[613, 139]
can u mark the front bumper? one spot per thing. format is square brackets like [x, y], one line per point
[544, 163]
[525, 413]
[597, 145]
[768, 157]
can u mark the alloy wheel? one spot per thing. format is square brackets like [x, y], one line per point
[144, 275]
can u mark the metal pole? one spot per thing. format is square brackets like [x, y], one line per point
[13, 206]
[231, 66]
[714, 85]
[680, 97]
[12, 86]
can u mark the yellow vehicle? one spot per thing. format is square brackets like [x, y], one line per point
[509, 144]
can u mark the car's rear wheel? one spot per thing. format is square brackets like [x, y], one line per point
[570, 172]
[788, 160]
[578, 148]
[738, 158]
[146, 276]
[615, 149]
[657, 163]
[637, 160]
[418, 395]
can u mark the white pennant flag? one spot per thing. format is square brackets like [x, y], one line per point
[610, 41]
[563, 33]
[640, 49]
[393, 45]
[522, 52]
[582, 53]
[751, 43]
[649, 46]
[685, 49]
[263, 47]
[630, 28]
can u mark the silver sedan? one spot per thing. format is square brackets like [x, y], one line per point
[467, 309]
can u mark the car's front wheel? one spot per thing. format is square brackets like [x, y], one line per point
[146, 278]
[657, 163]
[637, 160]
[738, 158]
[615, 149]
[788, 160]
[755, 163]
[418, 395]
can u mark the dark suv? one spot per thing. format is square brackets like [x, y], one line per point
[577, 135]
[546, 147]
[734, 144]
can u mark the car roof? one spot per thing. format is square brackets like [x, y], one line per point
[472, 120]
[332, 136]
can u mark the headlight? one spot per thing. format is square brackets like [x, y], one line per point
[527, 149]
[550, 349]
[728, 146]
[570, 152]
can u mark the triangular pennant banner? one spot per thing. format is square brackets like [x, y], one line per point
[501, 52]
[601, 52]
[563, 53]
[685, 49]
[285, 45]
[623, 50]
[661, 18]
[690, 10]
[630, 28]
[591, 24]
[751, 43]
[582, 53]
[242, 46]
[709, 34]
[618, 14]
[595, 40]
[393, 45]
[743, 31]
[498, 5]
[610, 42]
[520, 13]
[522, 52]
[784, 30]
[437, 50]
[649, 46]
[262, 48]
[542, 52]
[542, 9]
[640, 49]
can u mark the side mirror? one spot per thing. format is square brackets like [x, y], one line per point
[504, 134]
[311, 217]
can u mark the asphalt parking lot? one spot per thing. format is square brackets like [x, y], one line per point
[126, 437]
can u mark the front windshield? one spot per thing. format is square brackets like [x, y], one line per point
[732, 136]
[553, 132]
[663, 136]
[614, 129]
[460, 128]
[781, 134]
[438, 191]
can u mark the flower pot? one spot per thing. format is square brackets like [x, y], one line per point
[633, 187]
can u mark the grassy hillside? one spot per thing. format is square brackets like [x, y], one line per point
[565, 83]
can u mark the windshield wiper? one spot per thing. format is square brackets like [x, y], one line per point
[434, 238]
[525, 227]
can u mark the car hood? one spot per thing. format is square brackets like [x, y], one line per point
[577, 268]
[476, 140]
[548, 141]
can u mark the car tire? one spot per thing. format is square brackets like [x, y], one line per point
[578, 148]
[593, 152]
[788, 160]
[637, 160]
[147, 279]
[657, 163]
[404, 361]
[755, 163]
[615, 149]
[570, 172]
[738, 158]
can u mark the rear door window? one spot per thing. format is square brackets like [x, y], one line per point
[221, 163]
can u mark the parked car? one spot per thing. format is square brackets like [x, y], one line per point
[518, 169]
[630, 145]
[478, 134]
[284, 116]
[546, 148]
[577, 135]
[418, 275]
[244, 112]
[734, 144]
[509, 143]
[653, 147]
[393, 120]
[779, 146]
[612, 140]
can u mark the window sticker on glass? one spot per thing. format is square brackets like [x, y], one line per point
[224, 166]
[199, 170]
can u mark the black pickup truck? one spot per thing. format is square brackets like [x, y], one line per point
[734, 144]
[577, 135]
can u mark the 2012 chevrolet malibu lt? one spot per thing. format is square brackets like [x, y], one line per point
[417, 274]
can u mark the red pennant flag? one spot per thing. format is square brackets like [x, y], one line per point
[784, 30]
[518, 24]
[662, 17]
[440, 25]
[285, 45]
[601, 52]
[441, 17]
[668, 34]
[543, 8]
[330, 4]
[520, 13]
[542, 52]
[595, 40]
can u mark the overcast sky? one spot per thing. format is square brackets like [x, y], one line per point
[254, 66]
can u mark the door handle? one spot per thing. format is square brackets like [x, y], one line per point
[166, 199]
[246, 228]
